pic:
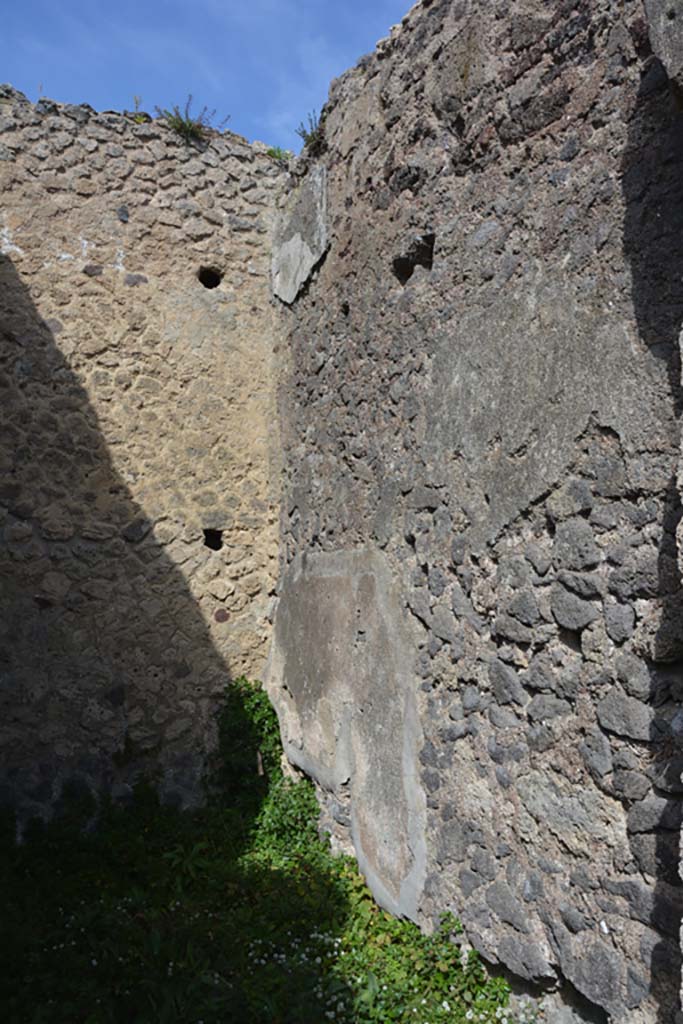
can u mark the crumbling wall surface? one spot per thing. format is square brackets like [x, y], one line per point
[138, 413]
[482, 395]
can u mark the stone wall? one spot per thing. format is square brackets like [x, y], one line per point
[139, 453]
[478, 643]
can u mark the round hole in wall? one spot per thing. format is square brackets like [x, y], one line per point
[210, 277]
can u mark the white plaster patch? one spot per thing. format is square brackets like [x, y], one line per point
[7, 246]
[301, 238]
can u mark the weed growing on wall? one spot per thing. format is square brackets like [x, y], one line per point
[281, 155]
[312, 135]
[189, 127]
[235, 913]
[139, 116]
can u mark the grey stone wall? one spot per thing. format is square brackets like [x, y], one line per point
[480, 424]
[139, 451]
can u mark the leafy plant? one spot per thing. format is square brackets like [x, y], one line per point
[312, 135]
[139, 116]
[189, 127]
[238, 912]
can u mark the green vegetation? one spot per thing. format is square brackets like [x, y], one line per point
[188, 127]
[139, 116]
[235, 913]
[313, 135]
[281, 155]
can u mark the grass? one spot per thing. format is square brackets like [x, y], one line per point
[235, 913]
[283, 156]
[190, 128]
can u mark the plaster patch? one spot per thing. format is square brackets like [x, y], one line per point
[7, 246]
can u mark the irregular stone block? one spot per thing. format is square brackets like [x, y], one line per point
[524, 607]
[625, 715]
[544, 707]
[637, 988]
[510, 629]
[527, 959]
[629, 785]
[655, 813]
[661, 909]
[574, 546]
[471, 698]
[443, 624]
[469, 881]
[539, 558]
[418, 602]
[574, 919]
[506, 686]
[620, 620]
[638, 576]
[507, 907]
[503, 718]
[657, 855]
[587, 585]
[598, 973]
[634, 676]
[570, 611]
[540, 675]
[541, 737]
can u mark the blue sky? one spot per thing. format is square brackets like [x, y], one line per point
[267, 63]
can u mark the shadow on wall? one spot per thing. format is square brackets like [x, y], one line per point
[653, 230]
[107, 674]
[107, 667]
[652, 177]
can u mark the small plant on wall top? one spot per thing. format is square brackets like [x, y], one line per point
[281, 155]
[313, 135]
[189, 127]
[139, 116]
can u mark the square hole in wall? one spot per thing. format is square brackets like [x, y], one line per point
[213, 539]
